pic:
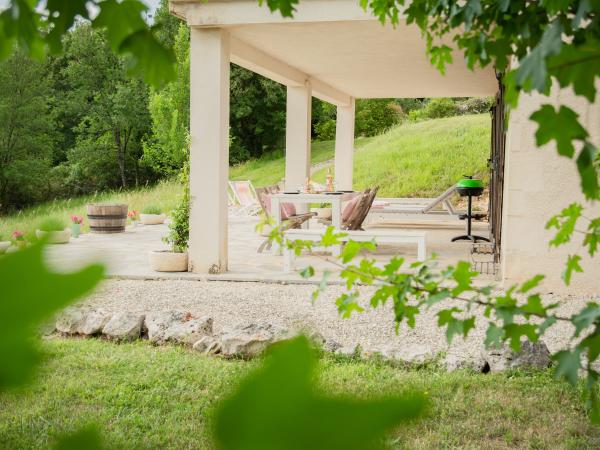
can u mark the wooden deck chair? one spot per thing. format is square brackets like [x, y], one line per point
[245, 196]
[360, 213]
[291, 221]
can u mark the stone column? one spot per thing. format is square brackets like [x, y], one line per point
[209, 150]
[297, 135]
[344, 146]
[539, 183]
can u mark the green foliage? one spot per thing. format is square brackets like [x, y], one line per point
[277, 408]
[52, 224]
[126, 30]
[27, 304]
[435, 109]
[375, 116]
[179, 228]
[167, 149]
[152, 209]
[27, 131]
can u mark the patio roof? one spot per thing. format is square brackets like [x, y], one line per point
[336, 46]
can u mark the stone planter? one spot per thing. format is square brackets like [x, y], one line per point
[152, 219]
[167, 261]
[54, 237]
[4, 245]
[323, 213]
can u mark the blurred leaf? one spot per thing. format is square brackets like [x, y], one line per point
[586, 317]
[514, 331]
[578, 65]
[592, 237]
[62, 16]
[278, 408]
[463, 275]
[285, 7]
[562, 126]
[531, 283]
[572, 266]
[569, 362]
[588, 172]
[532, 71]
[31, 294]
[149, 58]
[120, 19]
[565, 223]
[307, 272]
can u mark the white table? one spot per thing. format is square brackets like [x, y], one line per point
[334, 199]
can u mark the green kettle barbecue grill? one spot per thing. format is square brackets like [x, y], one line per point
[469, 187]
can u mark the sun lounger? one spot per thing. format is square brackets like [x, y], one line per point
[416, 206]
[245, 197]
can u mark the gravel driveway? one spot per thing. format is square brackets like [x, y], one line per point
[232, 303]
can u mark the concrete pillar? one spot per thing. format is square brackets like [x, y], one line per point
[209, 150]
[344, 146]
[297, 135]
[539, 183]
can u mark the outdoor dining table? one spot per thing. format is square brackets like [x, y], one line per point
[334, 198]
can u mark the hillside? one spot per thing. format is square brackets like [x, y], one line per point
[412, 160]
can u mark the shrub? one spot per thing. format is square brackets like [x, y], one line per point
[52, 224]
[325, 130]
[180, 224]
[374, 116]
[152, 209]
[476, 105]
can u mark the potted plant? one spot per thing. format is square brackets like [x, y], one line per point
[323, 211]
[4, 245]
[76, 222]
[55, 230]
[175, 259]
[18, 241]
[134, 216]
[152, 215]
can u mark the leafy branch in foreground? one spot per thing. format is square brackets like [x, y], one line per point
[38, 25]
[512, 316]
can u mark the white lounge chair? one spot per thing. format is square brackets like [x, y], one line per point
[416, 206]
[245, 197]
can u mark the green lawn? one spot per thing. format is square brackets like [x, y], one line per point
[163, 397]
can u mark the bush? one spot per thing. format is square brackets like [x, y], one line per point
[179, 233]
[325, 130]
[374, 116]
[52, 224]
[152, 209]
[476, 105]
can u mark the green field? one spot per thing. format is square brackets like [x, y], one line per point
[163, 397]
[411, 160]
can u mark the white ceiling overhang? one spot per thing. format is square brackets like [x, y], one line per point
[336, 46]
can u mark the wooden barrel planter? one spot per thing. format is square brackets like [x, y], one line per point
[107, 217]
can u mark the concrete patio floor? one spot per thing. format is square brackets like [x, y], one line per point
[125, 255]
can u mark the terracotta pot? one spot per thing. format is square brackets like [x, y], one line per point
[55, 237]
[167, 261]
[4, 245]
[323, 213]
[152, 219]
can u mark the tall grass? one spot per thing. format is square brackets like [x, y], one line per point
[165, 195]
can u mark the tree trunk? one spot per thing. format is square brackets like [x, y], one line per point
[120, 157]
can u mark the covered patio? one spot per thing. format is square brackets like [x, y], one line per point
[331, 50]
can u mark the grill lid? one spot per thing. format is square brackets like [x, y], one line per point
[469, 182]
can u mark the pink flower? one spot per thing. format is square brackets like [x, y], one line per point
[132, 214]
[77, 219]
[18, 235]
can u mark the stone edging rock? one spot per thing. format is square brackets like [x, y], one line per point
[248, 341]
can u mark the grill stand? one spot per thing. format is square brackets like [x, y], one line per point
[469, 216]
